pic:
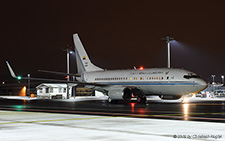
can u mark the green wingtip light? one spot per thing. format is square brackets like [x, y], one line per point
[19, 77]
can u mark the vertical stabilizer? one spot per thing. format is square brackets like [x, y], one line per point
[83, 62]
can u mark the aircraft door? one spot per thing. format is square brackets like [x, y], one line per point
[194, 84]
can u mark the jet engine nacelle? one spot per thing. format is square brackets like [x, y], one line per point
[121, 94]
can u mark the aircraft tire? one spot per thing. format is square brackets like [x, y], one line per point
[141, 99]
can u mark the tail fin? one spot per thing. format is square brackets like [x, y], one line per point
[83, 62]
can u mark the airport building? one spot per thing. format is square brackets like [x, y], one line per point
[59, 91]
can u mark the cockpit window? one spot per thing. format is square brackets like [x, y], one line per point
[190, 75]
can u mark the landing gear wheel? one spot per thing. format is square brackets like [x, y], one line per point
[144, 100]
[141, 99]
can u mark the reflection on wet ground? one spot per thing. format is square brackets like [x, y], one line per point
[206, 111]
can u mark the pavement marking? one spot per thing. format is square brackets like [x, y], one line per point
[52, 120]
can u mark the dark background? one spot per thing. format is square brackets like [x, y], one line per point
[116, 34]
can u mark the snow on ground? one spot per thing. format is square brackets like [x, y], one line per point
[35, 126]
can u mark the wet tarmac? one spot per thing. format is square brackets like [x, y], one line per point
[210, 111]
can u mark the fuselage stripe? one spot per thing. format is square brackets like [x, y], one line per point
[135, 83]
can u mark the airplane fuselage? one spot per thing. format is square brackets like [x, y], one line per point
[154, 81]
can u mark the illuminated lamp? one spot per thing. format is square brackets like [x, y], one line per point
[141, 68]
[19, 77]
[23, 91]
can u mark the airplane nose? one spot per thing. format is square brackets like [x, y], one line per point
[202, 84]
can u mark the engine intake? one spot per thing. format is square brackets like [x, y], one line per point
[127, 94]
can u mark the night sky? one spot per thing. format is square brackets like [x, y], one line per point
[116, 34]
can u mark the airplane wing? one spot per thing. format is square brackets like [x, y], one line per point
[59, 73]
[51, 80]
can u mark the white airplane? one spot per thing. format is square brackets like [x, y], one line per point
[168, 83]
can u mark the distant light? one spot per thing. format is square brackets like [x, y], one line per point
[71, 52]
[185, 100]
[19, 77]
[141, 68]
[222, 76]
[32, 95]
[23, 91]
[3, 83]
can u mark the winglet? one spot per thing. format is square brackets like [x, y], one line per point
[10, 70]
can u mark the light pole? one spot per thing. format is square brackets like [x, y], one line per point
[68, 51]
[213, 76]
[28, 81]
[222, 76]
[168, 39]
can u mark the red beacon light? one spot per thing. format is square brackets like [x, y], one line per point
[141, 68]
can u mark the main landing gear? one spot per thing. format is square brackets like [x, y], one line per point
[141, 99]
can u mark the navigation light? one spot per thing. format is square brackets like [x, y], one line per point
[19, 77]
[141, 68]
